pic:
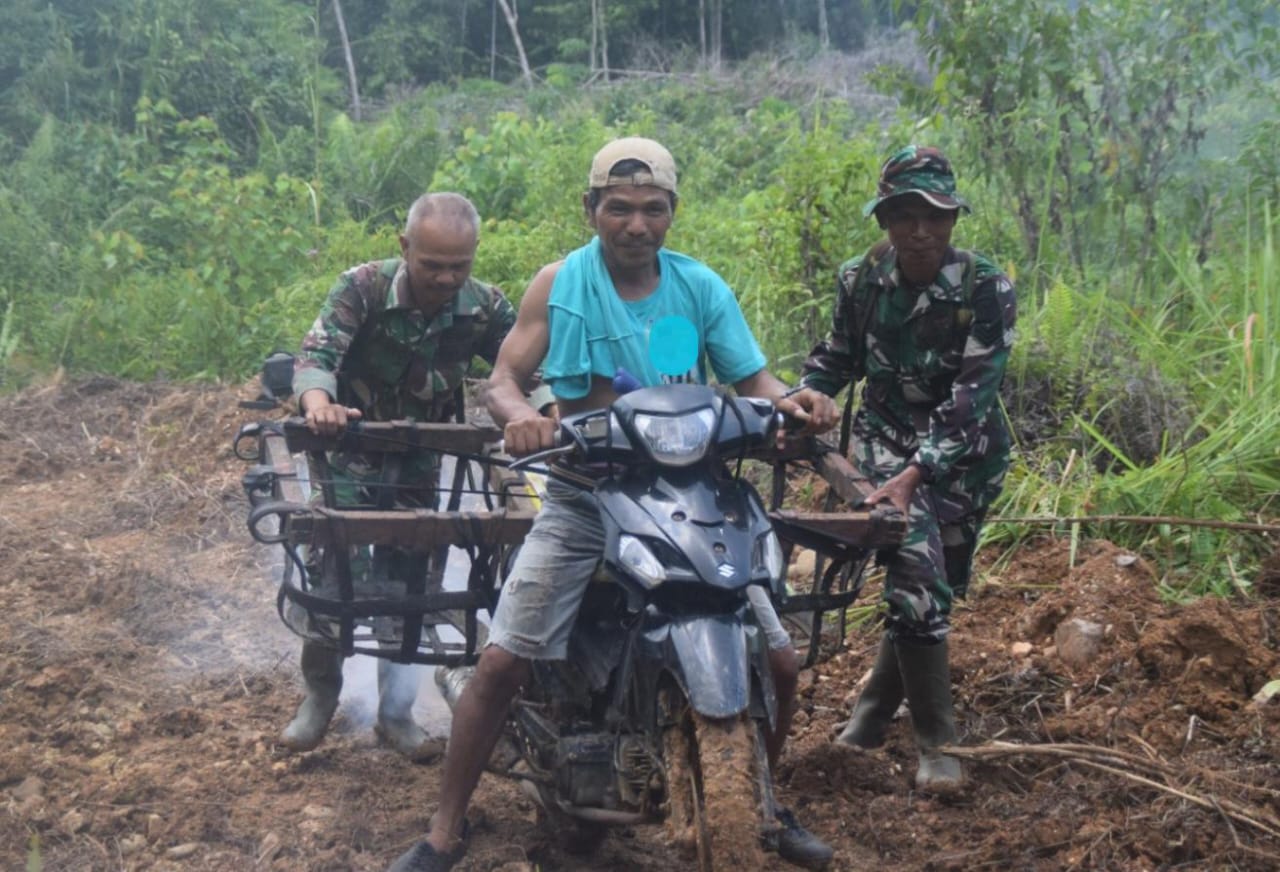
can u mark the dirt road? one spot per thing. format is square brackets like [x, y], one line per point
[144, 676]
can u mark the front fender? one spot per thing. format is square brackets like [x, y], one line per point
[714, 658]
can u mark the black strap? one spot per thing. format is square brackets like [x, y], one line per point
[861, 318]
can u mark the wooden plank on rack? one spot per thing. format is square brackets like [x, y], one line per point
[881, 527]
[849, 484]
[414, 529]
[395, 437]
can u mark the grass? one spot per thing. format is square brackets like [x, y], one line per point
[1215, 337]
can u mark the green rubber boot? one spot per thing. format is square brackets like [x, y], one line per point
[877, 703]
[322, 673]
[926, 675]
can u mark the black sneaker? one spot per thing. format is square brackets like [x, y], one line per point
[798, 845]
[422, 857]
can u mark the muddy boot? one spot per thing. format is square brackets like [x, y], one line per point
[926, 675]
[322, 673]
[877, 703]
[397, 689]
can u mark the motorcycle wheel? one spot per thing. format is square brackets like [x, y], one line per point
[713, 808]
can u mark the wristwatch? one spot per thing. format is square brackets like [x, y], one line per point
[926, 474]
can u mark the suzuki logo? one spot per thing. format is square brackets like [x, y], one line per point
[726, 570]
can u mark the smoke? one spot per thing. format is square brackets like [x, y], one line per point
[358, 703]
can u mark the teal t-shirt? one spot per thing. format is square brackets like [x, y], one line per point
[593, 331]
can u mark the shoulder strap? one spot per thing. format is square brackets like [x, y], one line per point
[970, 274]
[968, 278]
[863, 306]
[382, 285]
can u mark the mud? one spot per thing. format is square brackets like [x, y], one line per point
[144, 677]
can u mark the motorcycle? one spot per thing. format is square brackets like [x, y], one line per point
[660, 710]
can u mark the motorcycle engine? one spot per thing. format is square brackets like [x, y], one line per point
[585, 770]
[587, 777]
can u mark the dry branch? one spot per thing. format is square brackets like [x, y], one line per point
[1156, 774]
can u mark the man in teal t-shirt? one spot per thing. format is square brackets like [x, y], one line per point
[593, 331]
[620, 302]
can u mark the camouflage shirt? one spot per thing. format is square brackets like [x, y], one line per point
[933, 360]
[371, 349]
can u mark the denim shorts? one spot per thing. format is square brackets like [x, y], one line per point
[545, 586]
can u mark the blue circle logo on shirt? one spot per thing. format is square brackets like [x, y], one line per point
[673, 345]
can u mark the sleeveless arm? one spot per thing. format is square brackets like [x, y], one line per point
[521, 353]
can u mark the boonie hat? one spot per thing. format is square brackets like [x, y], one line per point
[919, 170]
[662, 166]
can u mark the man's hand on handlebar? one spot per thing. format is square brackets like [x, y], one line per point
[527, 435]
[812, 409]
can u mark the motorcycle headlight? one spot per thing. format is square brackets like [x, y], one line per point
[637, 559]
[677, 440]
[767, 555]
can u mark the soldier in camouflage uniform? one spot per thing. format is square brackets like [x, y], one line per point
[393, 340]
[930, 328]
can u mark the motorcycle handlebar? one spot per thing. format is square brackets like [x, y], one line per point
[789, 423]
[560, 449]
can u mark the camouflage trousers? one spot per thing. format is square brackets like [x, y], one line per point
[932, 567]
[379, 571]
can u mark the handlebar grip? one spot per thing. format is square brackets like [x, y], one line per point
[790, 423]
[559, 447]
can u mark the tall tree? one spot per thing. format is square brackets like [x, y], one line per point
[513, 24]
[702, 31]
[350, 60]
[246, 66]
[599, 39]
[717, 33]
[493, 39]
[710, 30]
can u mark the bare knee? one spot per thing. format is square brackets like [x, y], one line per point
[499, 675]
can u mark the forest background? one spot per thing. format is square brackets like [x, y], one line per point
[181, 181]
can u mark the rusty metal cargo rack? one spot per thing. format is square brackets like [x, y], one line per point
[845, 543]
[318, 537]
[318, 595]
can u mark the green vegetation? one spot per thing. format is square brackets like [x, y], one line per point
[181, 182]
